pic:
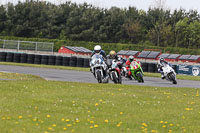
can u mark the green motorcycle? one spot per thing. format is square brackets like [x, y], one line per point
[136, 71]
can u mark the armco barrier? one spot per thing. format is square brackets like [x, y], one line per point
[70, 61]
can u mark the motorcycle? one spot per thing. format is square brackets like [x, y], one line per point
[136, 71]
[169, 73]
[99, 68]
[115, 72]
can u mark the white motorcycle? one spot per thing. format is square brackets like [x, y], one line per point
[99, 68]
[169, 73]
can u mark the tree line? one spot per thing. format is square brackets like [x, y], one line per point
[84, 22]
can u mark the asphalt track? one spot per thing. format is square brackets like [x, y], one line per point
[80, 76]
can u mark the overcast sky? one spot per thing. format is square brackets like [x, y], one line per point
[140, 4]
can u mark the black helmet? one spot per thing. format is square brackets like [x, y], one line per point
[131, 58]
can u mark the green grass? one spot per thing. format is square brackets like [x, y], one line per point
[183, 77]
[40, 106]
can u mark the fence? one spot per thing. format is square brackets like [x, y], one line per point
[26, 45]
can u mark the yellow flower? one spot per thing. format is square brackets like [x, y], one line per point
[3, 118]
[100, 100]
[185, 94]
[88, 111]
[188, 109]
[118, 125]
[91, 122]
[67, 120]
[77, 121]
[62, 119]
[121, 113]
[54, 125]
[154, 131]
[171, 125]
[96, 104]
[96, 126]
[69, 125]
[166, 122]
[20, 117]
[91, 127]
[64, 128]
[72, 130]
[106, 121]
[48, 116]
[161, 122]
[144, 124]
[46, 132]
[163, 126]
[8, 118]
[170, 131]
[50, 128]
[112, 94]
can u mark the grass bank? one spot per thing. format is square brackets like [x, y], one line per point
[40, 106]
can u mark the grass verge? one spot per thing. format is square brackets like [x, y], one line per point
[183, 77]
[39, 106]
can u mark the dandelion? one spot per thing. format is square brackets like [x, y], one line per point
[96, 126]
[20, 117]
[50, 128]
[185, 94]
[8, 118]
[88, 111]
[106, 121]
[96, 104]
[48, 116]
[171, 125]
[154, 131]
[112, 94]
[69, 125]
[72, 130]
[170, 131]
[121, 113]
[166, 122]
[161, 122]
[163, 126]
[188, 109]
[91, 122]
[64, 128]
[144, 124]
[91, 127]
[100, 100]
[46, 132]
[3, 118]
[62, 119]
[118, 125]
[67, 120]
[54, 125]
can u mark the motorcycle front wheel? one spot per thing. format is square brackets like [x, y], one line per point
[99, 77]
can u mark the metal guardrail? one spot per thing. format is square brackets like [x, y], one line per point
[26, 45]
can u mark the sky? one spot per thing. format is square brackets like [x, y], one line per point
[139, 4]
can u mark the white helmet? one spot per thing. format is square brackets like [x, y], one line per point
[97, 48]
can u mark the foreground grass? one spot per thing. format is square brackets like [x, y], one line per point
[39, 106]
[183, 77]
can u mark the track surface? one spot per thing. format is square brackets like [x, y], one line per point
[80, 76]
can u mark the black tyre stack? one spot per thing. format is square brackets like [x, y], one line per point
[9, 57]
[66, 61]
[31, 58]
[37, 59]
[51, 60]
[23, 58]
[80, 62]
[59, 60]
[144, 66]
[3, 56]
[73, 61]
[86, 62]
[152, 67]
[44, 59]
[16, 57]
